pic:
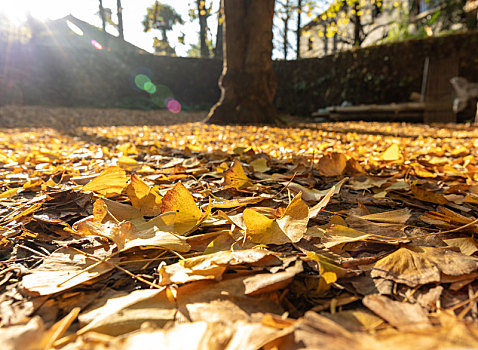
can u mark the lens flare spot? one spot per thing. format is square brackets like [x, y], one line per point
[174, 106]
[150, 87]
[74, 28]
[141, 80]
[96, 45]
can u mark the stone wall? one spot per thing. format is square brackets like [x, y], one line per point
[35, 75]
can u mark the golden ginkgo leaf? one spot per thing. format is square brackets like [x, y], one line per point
[143, 197]
[391, 153]
[110, 182]
[179, 200]
[414, 266]
[236, 177]
[290, 227]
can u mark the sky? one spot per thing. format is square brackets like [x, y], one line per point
[133, 14]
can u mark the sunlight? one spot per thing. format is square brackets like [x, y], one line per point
[18, 11]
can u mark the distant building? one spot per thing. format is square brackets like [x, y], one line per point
[344, 26]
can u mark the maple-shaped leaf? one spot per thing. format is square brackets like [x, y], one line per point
[236, 177]
[143, 197]
[110, 182]
[290, 227]
[414, 266]
[180, 200]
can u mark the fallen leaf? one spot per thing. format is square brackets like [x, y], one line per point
[111, 182]
[236, 177]
[414, 266]
[290, 227]
[392, 153]
[332, 165]
[404, 316]
[143, 197]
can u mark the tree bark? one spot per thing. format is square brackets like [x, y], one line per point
[202, 29]
[119, 11]
[299, 29]
[102, 15]
[219, 49]
[247, 83]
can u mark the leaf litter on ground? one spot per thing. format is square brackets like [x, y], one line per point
[196, 236]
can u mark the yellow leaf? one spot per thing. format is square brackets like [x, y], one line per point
[236, 177]
[143, 197]
[180, 201]
[391, 153]
[127, 163]
[260, 165]
[289, 228]
[10, 193]
[111, 182]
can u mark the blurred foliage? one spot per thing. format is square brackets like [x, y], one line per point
[161, 17]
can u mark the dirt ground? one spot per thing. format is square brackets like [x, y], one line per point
[12, 116]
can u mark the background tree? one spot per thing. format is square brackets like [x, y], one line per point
[218, 48]
[102, 16]
[248, 83]
[201, 12]
[119, 13]
[163, 18]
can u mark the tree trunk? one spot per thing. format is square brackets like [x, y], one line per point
[119, 11]
[248, 83]
[285, 19]
[102, 15]
[202, 28]
[357, 24]
[299, 29]
[218, 50]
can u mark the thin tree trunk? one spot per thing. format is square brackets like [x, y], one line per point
[299, 29]
[119, 11]
[218, 50]
[202, 29]
[286, 29]
[102, 15]
[357, 24]
[248, 83]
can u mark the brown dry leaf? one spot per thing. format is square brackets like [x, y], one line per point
[236, 177]
[313, 194]
[399, 216]
[290, 227]
[467, 245]
[180, 201]
[143, 197]
[404, 316]
[428, 196]
[213, 266]
[26, 336]
[260, 165]
[414, 266]
[65, 268]
[110, 182]
[332, 165]
[125, 313]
